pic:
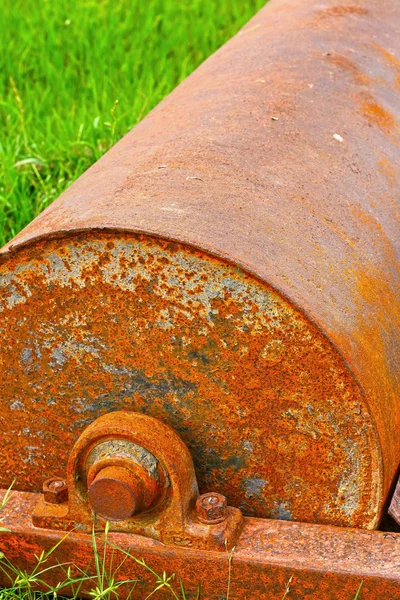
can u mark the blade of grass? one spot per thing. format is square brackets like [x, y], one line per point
[287, 588]
[358, 591]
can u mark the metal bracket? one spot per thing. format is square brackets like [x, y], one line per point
[136, 473]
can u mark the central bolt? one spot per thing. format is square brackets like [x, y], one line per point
[115, 494]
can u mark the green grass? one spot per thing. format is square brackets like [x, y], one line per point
[76, 76]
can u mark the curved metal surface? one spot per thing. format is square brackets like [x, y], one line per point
[101, 322]
[279, 154]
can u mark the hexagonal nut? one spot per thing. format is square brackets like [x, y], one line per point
[211, 508]
[55, 491]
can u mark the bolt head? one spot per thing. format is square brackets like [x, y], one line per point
[211, 508]
[55, 491]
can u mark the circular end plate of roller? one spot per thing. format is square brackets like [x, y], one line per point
[107, 321]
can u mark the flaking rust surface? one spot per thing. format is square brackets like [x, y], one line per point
[280, 154]
[104, 321]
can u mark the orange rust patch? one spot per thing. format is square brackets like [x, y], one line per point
[321, 19]
[377, 115]
[345, 63]
[341, 11]
[389, 170]
[389, 57]
[375, 331]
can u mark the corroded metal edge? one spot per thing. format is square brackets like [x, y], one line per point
[321, 561]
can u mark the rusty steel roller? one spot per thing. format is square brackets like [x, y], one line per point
[230, 269]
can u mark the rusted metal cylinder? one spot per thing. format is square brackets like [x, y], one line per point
[231, 267]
